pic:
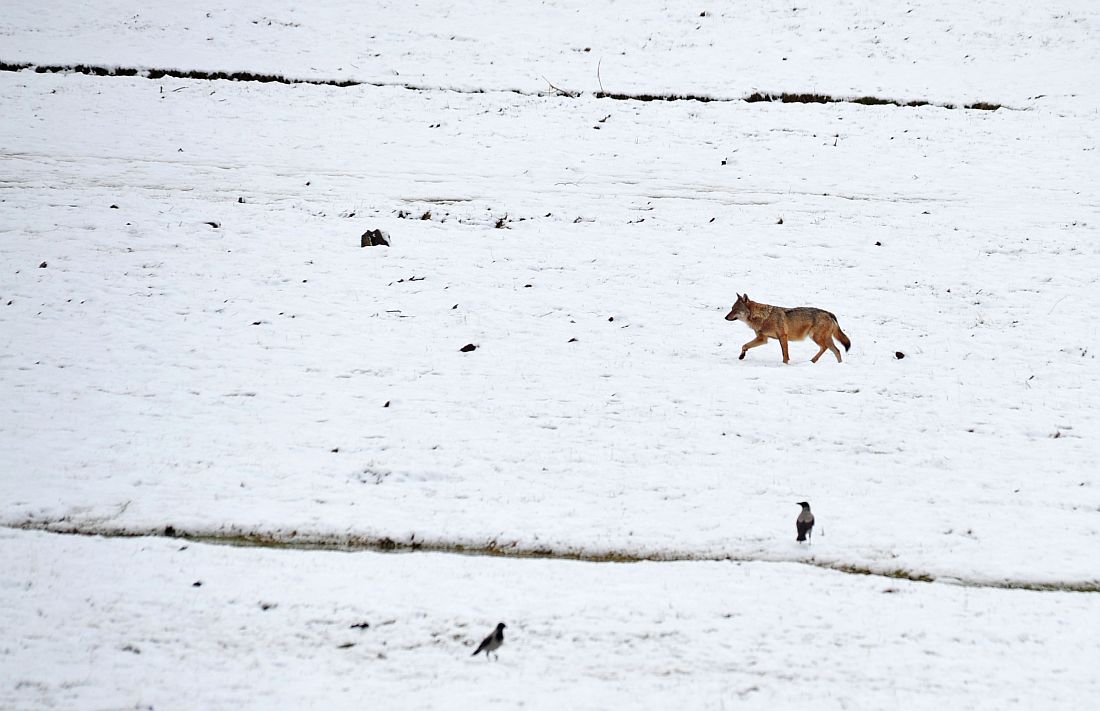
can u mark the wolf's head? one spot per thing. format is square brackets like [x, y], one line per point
[740, 310]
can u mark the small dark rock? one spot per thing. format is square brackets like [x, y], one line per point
[454, 307]
[256, 323]
[197, 584]
[427, 215]
[374, 238]
[213, 224]
[265, 606]
[335, 450]
[42, 265]
[345, 645]
[899, 355]
[779, 221]
[610, 318]
[527, 286]
[572, 340]
[114, 207]
[360, 626]
[170, 531]
[240, 200]
[387, 404]
[878, 244]
[468, 347]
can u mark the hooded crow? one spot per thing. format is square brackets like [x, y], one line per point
[491, 643]
[805, 522]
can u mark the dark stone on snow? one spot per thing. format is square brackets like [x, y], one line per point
[468, 347]
[374, 238]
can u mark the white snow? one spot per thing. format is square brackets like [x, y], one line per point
[207, 347]
[1017, 53]
[581, 635]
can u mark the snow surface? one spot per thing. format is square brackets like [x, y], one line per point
[207, 347]
[161, 371]
[125, 627]
[1016, 53]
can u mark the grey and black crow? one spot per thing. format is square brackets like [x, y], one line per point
[805, 522]
[492, 642]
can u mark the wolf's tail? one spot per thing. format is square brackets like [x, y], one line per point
[841, 337]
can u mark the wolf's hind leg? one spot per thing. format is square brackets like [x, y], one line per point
[825, 343]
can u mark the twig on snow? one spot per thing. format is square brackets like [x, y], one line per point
[560, 91]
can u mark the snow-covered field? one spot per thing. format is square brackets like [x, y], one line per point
[208, 348]
[1017, 53]
[274, 629]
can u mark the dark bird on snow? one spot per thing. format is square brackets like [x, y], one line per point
[491, 643]
[805, 522]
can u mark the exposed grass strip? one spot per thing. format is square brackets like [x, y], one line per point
[783, 97]
[352, 543]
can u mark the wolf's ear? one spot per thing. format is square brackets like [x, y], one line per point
[745, 297]
[740, 297]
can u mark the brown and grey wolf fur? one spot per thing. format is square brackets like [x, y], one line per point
[788, 325]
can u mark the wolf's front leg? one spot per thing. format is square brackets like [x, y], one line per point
[760, 340]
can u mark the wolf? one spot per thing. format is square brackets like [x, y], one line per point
[788, 325]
